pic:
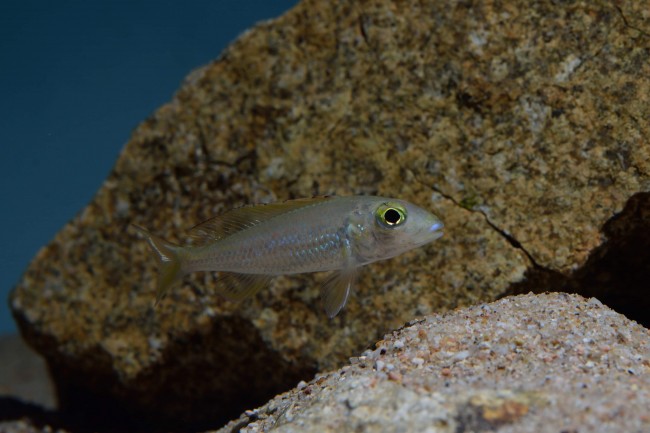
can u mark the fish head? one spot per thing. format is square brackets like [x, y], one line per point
[393, 227]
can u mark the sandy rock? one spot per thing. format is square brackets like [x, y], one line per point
[533, 363]
[521, 124]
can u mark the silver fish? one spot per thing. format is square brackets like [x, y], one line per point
[250, 245]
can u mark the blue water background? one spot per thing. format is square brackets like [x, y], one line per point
[75, 78]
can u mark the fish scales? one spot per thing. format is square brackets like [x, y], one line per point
[309, 240]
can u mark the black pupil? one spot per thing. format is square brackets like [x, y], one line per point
[392, 216]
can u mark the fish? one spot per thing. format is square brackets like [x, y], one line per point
[250, 245]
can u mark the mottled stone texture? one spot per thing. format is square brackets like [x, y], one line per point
[535, 363]
[522, 124]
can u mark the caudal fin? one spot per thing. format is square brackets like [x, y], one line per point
[170, 264]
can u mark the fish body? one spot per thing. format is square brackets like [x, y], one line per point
[252, 244]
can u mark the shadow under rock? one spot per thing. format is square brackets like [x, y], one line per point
[618, 272]
[209, 378]
[45, 420]
[13, 409]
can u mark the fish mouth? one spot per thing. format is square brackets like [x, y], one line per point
[435, 231]
[430, 233]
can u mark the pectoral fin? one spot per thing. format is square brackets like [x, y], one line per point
[237, 287]
[335, 291]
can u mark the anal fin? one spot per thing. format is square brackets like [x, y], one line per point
[335, 291]
[237, 287]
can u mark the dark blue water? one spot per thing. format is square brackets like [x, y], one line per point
[75, 78]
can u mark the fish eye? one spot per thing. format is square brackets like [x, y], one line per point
[391, 216]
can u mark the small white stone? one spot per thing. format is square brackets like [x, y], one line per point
[594, 301]
[417, 361]
[462, 355]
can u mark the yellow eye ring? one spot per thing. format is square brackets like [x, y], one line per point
[391, 216]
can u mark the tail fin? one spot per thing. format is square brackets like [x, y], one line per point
[170, 263]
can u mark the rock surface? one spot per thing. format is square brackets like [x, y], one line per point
[522, 124]
[533, 363]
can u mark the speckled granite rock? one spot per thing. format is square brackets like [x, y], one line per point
[522, 124]
[533, 363]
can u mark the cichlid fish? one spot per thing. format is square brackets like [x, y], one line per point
[250, 245]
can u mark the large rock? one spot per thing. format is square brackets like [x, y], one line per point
[522, 124]
[534, 363]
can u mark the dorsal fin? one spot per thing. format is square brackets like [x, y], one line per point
[245, 217]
